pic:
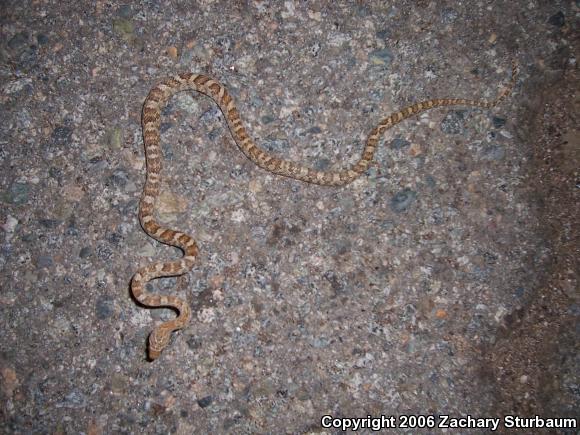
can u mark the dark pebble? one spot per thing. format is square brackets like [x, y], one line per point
[519, 292]
[399, 143]
[403, 200]
[115, 238]
[430, 181]
[42, 39]
[104, 252]
[125, 11]
[498, 122]
[194, 343]
[168, 151]
[493, 152]
[205, 401]
[18, 193]
[55, 173]
[18, 41]
[449, 15]
[276, 144]
[165, 126]
[384, 56]
[322, 164]
[267, 119]
[43, 261]
[104, 309]
[119, 178]
[85, 252]
[490, 258]
[61, 135]
[49, 223]
[453, 122]
[383, 34]
[315, 130]
[75, 399]
[557, 20]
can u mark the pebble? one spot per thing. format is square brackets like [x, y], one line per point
[104, 308]
[113, 138]
[403, 200]
[18, 193]
[61, 135]
[381, 57]
[124, 29]
[493, 152]
[74, 399]
[43, 261]
[453, 123]
[18, 42]
[399, 143]
[169, 205]
[557, 19]
[204, 402]
[50, 223]
[172, 52]
[10, 225]
[498, 122]
[42, 39]
[85, 252]
[125, 11]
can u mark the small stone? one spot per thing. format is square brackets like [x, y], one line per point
[9, 381]
[172, 52]
[453, 122]
[381, 57]
[104, 309]
[10, 225]
[18, 193]
[61, 135]
[449, 15]
[85, 252]
[383, 34]
[493, 152]
[399, 143]
[440, 313]
[113, 138]
[49, 223]
[205, 401]
[42, 39]
[557, 19]
[403, 200]
[18, 42]
[498, 122]
[124, 29]
[125, 11]
[169, 205]
[415, 150]
[119, 178]
[43, 261]
[75, 399]
[194, 343]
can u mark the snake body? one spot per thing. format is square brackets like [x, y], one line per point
[151, 120]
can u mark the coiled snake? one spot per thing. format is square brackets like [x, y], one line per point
[151, 120]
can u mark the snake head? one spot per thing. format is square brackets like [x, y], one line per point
[158, 339]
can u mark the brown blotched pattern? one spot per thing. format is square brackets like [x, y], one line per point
[155, 102]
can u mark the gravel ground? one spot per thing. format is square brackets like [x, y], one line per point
[444, 281]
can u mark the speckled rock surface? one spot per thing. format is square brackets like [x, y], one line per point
[443, 281]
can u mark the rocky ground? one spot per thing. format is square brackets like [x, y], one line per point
[444, 281]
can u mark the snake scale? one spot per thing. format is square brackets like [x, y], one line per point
[151, 120]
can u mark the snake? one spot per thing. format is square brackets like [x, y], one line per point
[156, 100]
